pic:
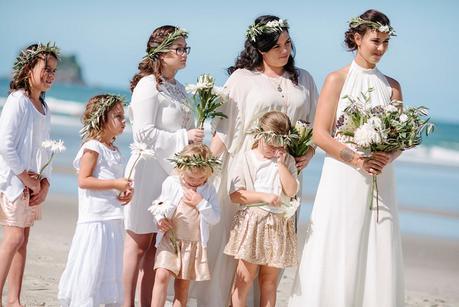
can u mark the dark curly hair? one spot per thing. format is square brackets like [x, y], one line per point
[149, 66]
[250, 58]
[20, 79]
[371, 15]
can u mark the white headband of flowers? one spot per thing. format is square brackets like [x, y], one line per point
[272, 26]
[357, 21]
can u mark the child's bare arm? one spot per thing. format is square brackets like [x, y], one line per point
[86, 180]
[288, 181]
[245, 197]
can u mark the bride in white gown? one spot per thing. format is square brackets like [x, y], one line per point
[350, 257]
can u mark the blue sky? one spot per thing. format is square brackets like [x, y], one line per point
[109, 38]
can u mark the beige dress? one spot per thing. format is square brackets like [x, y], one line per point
[180, 251]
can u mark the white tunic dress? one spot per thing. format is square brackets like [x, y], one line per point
[160, 119]
[349, 258]
[251, 94]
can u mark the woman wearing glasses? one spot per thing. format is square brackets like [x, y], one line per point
[162, 120]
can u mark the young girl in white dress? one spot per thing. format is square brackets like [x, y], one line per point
[93, 274]
[262, 236]
[264, 78]
[353, 258]
[162, 119]
[185, 210]
[24, 125]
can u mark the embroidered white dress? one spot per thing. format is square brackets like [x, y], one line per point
[93, 273]
[251, 94]
[349, 258]
[160, 119]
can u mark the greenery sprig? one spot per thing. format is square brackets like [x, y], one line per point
[165, 45]
[194, 161]
[272, 26]
[357, 21]
[94, 121]
[270, 137]
[28, 55]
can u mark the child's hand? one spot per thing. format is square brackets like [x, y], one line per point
[126, 196]
[122, 184]
[281, 155]
[272, 199]
[191, 198]
[40, 197]
[164, 225]
[31, 181]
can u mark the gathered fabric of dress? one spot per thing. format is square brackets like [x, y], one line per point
[251, 94]
[351, 258]
[93, 273]
[160, 119]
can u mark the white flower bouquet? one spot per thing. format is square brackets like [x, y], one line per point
[208, 98]
[384, 128]
[53, 147]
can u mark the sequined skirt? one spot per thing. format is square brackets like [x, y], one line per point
[264, 238]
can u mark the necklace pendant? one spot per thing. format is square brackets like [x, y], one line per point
[279, 88]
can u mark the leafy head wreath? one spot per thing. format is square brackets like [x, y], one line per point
[94, 121]
[165, 45]
[272, 26]
[182, 162]
[357, 21]
[28, 55]
[270, 137]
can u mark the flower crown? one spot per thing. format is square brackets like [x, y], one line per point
[272, 26]
[194, 161]
[357, 21]
[28, 55]
[93, 122]
[271, 137]
[166, 43]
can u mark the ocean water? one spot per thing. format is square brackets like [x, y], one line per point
[427, 177]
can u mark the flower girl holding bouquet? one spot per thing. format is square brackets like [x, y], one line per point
[185, 210]
[93, 274]
[263, 236]
[24, 125]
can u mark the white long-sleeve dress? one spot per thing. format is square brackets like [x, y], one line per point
[351, 258]
[160, 119]
[251, 94]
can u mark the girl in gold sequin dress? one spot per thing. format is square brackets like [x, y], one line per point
[263, 237]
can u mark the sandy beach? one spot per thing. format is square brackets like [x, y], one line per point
[431, 264]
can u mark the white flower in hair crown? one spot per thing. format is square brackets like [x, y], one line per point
[357, 21]
[272, 26]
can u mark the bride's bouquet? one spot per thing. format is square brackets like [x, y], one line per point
[384, 128]
[207, 97]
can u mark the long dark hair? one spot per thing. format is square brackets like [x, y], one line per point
[20, 79]
[152, 66]
[250, 58]
[370, 15]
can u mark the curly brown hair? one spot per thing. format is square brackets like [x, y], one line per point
[153, 66]
[370, 15]
[91, 108]
[250, 58]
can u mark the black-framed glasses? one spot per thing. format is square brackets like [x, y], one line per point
[182, 50]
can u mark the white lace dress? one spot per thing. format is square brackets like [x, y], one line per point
[350, 258]
[160, 119]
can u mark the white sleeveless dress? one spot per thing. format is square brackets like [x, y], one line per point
[350, 258]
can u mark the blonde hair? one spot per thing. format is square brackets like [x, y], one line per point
[273, 121]
[195, 153]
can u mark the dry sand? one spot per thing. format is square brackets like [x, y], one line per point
[431, 265]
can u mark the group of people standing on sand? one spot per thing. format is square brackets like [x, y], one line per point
[209, 217]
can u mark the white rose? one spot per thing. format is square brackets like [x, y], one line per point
[366, 135]
[403, 118]
[375, 122]
[390, 108]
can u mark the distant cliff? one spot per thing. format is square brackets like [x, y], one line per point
[69, 70]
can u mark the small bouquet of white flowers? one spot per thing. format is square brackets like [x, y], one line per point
[208, 98]
[384, 128]
[53, 147]
[300, 144]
